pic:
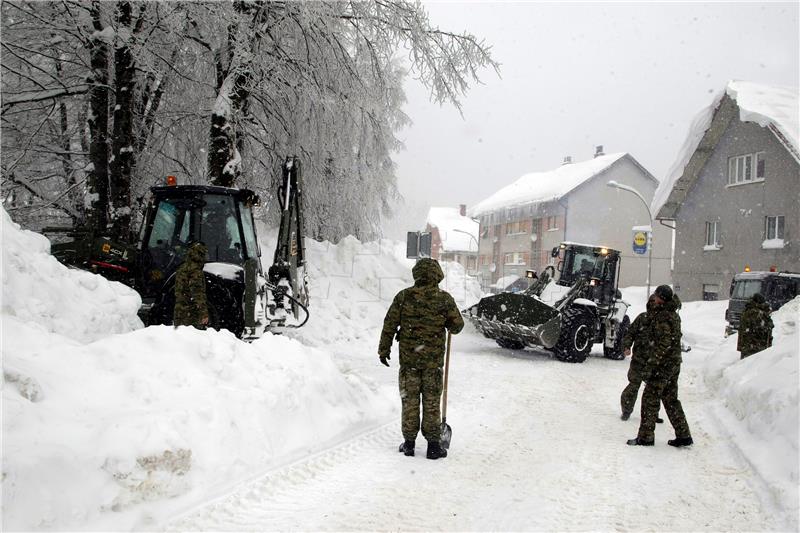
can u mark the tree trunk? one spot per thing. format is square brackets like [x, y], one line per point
[66, 146]
[122, 147]
[97, 180]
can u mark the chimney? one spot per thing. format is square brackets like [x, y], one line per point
[567, 160]
[462, 209]
[598, 151]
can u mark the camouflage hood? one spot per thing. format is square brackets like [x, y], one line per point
[758, 302]
[427, 272]
[197, 253]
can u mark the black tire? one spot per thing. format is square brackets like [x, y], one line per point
[577, 336]
[509, 344]
[616, 352]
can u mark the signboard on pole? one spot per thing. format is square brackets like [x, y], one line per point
[640, 240]
[418, 244]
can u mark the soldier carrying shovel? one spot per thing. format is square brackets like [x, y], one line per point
[419, 317]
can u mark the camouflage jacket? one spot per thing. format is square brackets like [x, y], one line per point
[637, 336]
[418, 318]
[190, 289]
[755, 328]
[664, 339]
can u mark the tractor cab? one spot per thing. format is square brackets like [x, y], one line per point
[598, 266]
[176, 216]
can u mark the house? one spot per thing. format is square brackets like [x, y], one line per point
[734, 190]
[454, 236]
[523, 221]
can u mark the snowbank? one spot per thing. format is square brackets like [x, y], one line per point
[107, 428]
[760, 399]
[126, 431]
[352, 285]
[74, 303]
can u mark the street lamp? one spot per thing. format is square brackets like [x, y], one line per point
[477, 250]
[630, 189]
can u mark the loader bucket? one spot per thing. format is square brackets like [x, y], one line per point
[517, 318]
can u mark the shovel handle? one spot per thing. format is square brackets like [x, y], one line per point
[446, 374]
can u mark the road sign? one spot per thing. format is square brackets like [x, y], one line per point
[640, 242]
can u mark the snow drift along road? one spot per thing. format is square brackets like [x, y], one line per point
[119, 431]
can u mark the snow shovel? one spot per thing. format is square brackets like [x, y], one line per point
[447, 431]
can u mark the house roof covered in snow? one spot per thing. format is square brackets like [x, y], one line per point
[772, 107]
[546, 186]
[454, 229]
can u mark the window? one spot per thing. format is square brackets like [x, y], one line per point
[744, 289]
[774, 228]
[516, 258]
[712, 235]
[513, 228]
[249, 231]
[746, 168]
[710, 292]
[552, 223]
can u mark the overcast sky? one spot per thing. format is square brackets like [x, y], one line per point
[629, 76]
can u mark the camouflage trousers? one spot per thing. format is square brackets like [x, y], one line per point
[425, 383]
[657, 391]
[629, 394]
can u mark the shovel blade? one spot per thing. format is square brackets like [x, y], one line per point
[447, 434]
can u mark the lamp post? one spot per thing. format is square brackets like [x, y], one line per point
[630, 189]
[477, 250]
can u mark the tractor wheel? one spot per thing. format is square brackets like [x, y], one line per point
[509, 344]
[577, 336]
[616, 351]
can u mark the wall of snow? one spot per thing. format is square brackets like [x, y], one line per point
[106, 428]
[759, 403]
[74, 303]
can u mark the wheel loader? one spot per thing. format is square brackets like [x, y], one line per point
[571, 305]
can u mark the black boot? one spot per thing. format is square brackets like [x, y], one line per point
[638, 442]
[680, 442]
[659, 420]
[625, 416]
[407, 448]
[435, 450]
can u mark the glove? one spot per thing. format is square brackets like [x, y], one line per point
[384, 359]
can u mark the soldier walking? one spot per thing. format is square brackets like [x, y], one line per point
[418, 318]
[755, 327]
[661, 372]
[636, 337]
[191, 306]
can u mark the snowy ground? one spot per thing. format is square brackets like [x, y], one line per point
[538, 445]
[159, 428]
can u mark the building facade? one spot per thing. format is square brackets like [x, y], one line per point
[522, 223]
[736, 203]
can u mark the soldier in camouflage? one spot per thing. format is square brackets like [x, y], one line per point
[418, 318]
[636, 337]
[661, 372]
[191, 306]
[755, 327]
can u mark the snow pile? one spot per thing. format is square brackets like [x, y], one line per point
[768, 106]
[74, 303]
[545, 186]
[135, 427]
[457, 232]
[160, 415]
[352, 285]
[760, 399]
